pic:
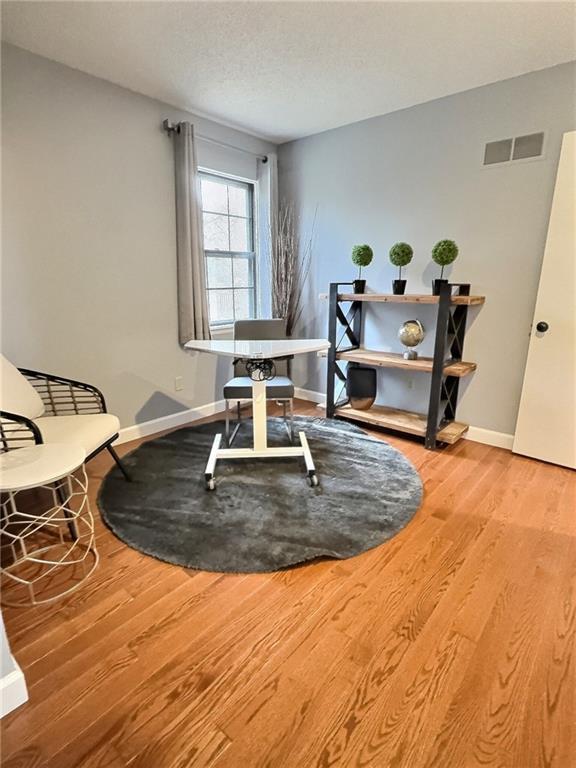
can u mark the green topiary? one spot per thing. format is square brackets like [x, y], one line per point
[362, 256]
[444, 253]
[401, 255]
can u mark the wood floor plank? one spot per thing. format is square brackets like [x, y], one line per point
[369, 728]
[227, 717]
[282, 708]
[467, 480]
[495, 740]
[28, 757]
[399, 728]
[407, 625]
[255, 666]
[495, 692]
[450, 646]
[222, 693]
[184, 676]
[551, 689]
[123, 566]
[66, 658]
[88, 683]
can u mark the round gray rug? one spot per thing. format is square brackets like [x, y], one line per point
[263, 515]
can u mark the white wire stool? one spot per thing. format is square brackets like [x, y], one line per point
[47, 549]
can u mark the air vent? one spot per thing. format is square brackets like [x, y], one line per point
[498, 152]
[528, 146]
[508, 150]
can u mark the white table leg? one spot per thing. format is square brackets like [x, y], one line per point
[259, 415]
[211, 465]
[310, 468]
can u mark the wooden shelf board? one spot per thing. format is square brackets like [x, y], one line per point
[414, 298]
[395, 360]
[402, 421]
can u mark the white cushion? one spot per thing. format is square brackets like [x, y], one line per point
[90, 431]
[17, 395]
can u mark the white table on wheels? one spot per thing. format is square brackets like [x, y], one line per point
[259, 351]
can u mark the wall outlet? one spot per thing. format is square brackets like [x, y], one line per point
[178, 383]
[409, 383]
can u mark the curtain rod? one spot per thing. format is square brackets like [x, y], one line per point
[171, 127]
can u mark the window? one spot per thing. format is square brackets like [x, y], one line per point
[228, 216]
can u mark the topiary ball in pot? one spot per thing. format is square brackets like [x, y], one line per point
[400, 255]
[443, 253]
[362, 256]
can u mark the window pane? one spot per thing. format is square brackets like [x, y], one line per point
[242, 272]
[228, 217]
[221, 306]
[214, 196]
[240, 235]
[219, 272]
[243, 304]
[215, 232]
[238, 200]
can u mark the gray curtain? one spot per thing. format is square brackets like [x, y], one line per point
[193, 322]
[268, 216]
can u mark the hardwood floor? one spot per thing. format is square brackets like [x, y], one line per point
[451, 646]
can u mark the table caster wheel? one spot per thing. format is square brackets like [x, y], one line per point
[210, 484]
[313, 481]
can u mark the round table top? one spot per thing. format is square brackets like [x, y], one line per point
[38, 465]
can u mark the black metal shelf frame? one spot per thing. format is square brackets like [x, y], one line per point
[451, 322]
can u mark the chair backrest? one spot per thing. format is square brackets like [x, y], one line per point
[260, 330]
[17, 395]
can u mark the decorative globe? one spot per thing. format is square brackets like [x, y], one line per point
[411, 333]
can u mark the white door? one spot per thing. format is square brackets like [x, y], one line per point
[546, 427]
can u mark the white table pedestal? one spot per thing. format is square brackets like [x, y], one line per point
[260, 449]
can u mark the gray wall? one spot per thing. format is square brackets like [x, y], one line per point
[89, 265]
[416, 175]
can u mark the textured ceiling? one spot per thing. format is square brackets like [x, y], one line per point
[286, 70]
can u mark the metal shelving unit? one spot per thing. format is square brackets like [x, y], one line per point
[438, 424]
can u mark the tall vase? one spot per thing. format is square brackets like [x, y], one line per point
[361, 387]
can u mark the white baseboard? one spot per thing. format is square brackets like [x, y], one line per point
[169, 422]
[489, 437]
[13, 692]
[477, 434]
[309, 394]
[172, 420]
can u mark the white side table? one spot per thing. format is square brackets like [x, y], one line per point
[40, 560]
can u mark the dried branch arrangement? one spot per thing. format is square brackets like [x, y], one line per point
[289, 265]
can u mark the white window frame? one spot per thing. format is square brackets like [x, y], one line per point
[224, 327]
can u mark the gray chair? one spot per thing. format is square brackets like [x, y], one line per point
[278, 388]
